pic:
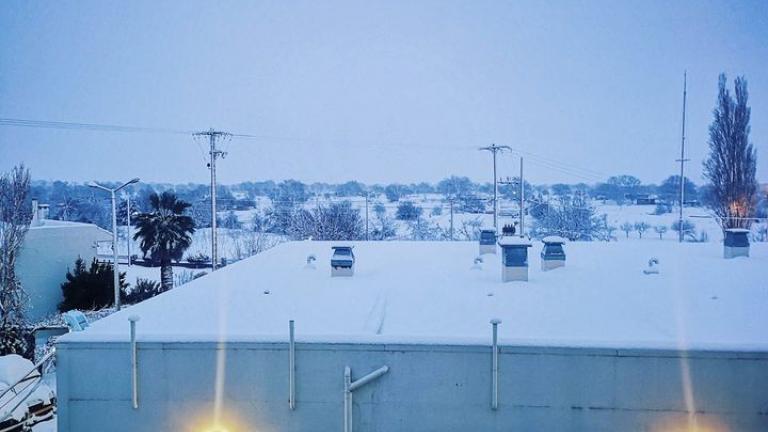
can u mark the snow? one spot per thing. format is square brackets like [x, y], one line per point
[427, 292]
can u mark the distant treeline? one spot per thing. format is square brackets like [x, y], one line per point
[78, 202]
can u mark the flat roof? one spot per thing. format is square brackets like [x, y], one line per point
[428, 292]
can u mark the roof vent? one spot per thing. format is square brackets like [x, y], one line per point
[514, 258]
[342, 261]
[553, 254]
[487, 241]
[736, 243]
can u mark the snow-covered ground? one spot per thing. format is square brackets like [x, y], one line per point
[426, 292]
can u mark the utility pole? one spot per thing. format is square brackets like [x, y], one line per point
[366, 216]
[128, 228]
[507, 182]
[522, 200]
[493, 148]
[682, 161]
[214, 153]
[450, 203]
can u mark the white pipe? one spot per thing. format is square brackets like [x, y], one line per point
[291, 367]
[134, 363]
[350, 386]
[347, 400]
[495, 365]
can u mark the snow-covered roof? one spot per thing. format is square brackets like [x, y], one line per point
[54, 224]
[514, 241]
[428, 292]
[554, 239]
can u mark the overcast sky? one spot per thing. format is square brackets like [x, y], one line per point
[393, 91]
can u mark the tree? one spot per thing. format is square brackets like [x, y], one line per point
[337, 221]
[627, 228]
[15, 217]
[641, 228]
[455, 186]
[393, 192]
[350, 188]
[231, 221]
[408, 211]
[560, 189]
[571, 217]
[660, 230]
[732, 161]
[165, 233]
[669, 190]
[90, 288]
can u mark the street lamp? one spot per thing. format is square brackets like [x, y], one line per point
[115, 266]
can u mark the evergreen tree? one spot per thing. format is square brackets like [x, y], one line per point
[90, 288]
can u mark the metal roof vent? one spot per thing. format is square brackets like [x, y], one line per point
[342, 261]
[514, 258]
[487, 241]
[553, 254]
[736, 243]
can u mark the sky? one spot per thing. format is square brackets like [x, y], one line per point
[379, 92]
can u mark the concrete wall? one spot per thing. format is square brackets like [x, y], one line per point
[45, 257]
[428, 388]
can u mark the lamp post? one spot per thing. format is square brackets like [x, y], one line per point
[115, 265]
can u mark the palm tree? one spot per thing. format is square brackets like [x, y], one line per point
[165, 233]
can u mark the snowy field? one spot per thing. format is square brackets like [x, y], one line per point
[427, 292]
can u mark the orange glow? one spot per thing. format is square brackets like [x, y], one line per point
[690, 423]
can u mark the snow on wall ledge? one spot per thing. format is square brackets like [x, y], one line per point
[428, 293]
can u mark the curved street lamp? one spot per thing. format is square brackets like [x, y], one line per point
[115, 265]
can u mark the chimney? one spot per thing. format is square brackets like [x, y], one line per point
[35, 213]
[514, 258]
[736, 243]
[553, 254]
[342, 261]
[487, 241]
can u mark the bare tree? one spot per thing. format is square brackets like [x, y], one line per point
[641, 228]
[732, 161]
[15, 217]
[660, 230]
[627, 227]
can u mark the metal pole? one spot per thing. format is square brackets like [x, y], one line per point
[347, 400]
[128, 215]
[115, 264]
[291, 367]
[495, 365]
[495, 192]
[366, 216]
[522, 200]
[450, 201]
[682, 162]
[134, 363]
[214, 249]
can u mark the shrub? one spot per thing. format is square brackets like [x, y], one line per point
[143, 290]
[408, 211]
[90, 288]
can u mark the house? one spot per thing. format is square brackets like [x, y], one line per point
[406, 343]
[49, 250]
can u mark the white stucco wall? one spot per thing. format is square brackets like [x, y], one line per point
[49, 250]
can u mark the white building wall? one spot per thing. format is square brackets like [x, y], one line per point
[48, 251]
